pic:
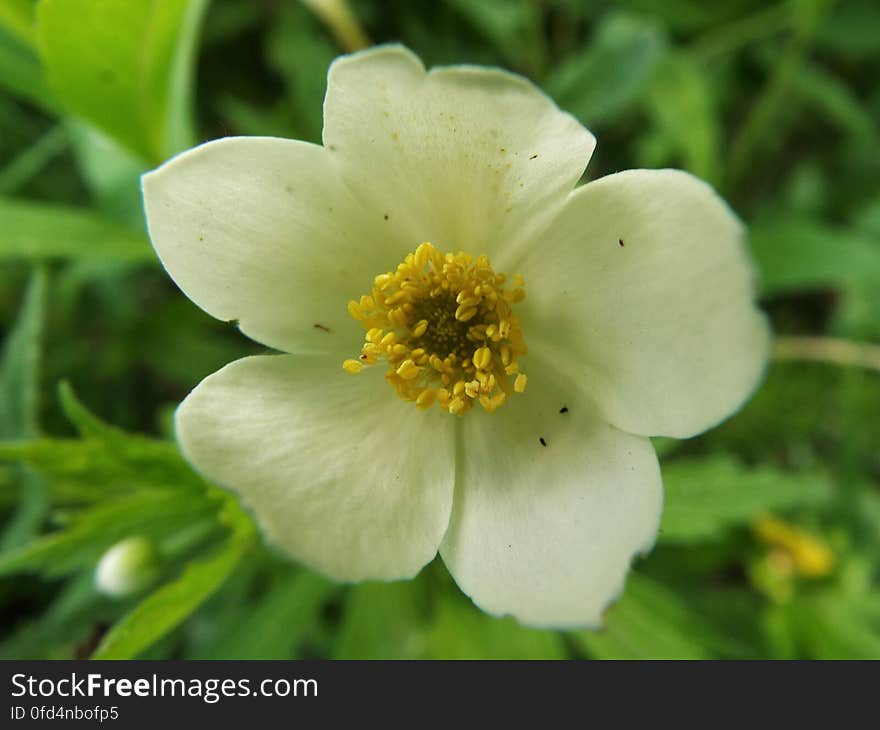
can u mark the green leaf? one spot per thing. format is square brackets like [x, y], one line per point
[800, 253]
[833, 626]
[17, 17]
[651, 622]
[86, 422]
[110, 171]
[20, 364]
[258, 634]
[40, 231]
[72, 617]
[851, 31]
[93, 530]
[682, 104]
[33, 160]
[512, 26]
[168, 606]
[90, 467]
[460, 630]
[601, 82]
[124, 66]
[301, 53]
[832, 97]
[704, 496]
[21, 73]
[384, 621]
[19, 395]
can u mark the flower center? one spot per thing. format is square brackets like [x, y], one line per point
[444, 325]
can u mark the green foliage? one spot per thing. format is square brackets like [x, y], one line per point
[172, 603]
[652, 622]
[19, 403]
[459, 631]
[127, 485]
[126, 67]
[40, 231]
[776, 105]
[703, 497]
[605, 80]
[682, 103]
[251, 629]
[20, 70]
[20, 364]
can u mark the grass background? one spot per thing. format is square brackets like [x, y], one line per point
[777, 105]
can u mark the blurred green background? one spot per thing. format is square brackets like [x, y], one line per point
[770, 545]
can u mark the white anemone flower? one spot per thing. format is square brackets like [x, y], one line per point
[413, 268]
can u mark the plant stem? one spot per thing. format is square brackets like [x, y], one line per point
[342, 22]
[828, 350]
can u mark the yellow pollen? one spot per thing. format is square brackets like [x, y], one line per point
[445, 326]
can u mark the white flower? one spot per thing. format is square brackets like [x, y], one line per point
[638, 317]
[128, 567]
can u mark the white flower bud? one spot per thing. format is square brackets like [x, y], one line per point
[127, 567]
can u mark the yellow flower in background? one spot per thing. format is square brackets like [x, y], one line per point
[414, 269]
[806, 555]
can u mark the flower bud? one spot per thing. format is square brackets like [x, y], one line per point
[128, 567]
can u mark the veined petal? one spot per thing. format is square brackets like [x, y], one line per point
[464, 157]
[550, 507]
[261, 230]
[642, 292]
[342, 477]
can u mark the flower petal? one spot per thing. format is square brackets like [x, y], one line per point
[464, 157]
[643, 293]
[354, 485]
[545, 531]
[260, 230]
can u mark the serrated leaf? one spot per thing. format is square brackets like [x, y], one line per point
[42, 231]
[120, 466]
[702, 497]
[93, 530]
[168, 606]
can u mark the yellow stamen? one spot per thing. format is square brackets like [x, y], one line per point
[444, 324]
